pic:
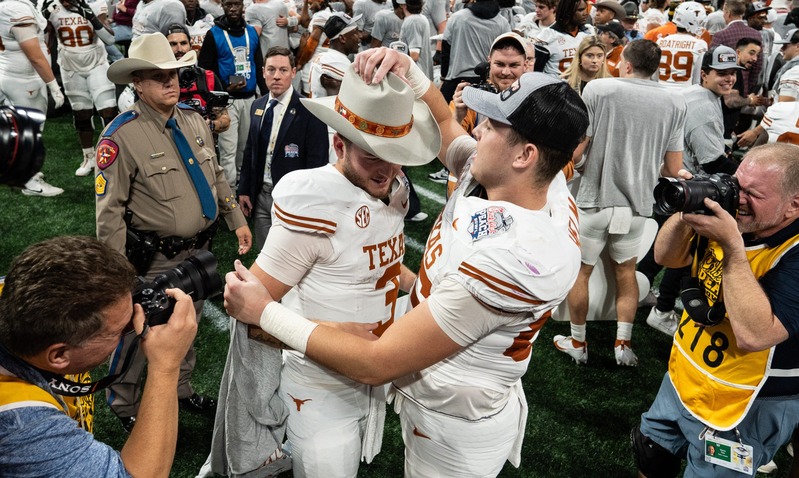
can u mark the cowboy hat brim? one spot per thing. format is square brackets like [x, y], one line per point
[120, 72]
[418, 147]
[618, 10]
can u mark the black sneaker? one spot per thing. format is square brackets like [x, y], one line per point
[127, 423]
[198, 403]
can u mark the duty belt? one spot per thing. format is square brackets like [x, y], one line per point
[172, 245]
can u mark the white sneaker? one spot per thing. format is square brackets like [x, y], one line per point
[768, 468]
[86, 167]
[36, 186]
[418, 217]
[665, 322]
[576, 350]
[624, 353]
[439, 177]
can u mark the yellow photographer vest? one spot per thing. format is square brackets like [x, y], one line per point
[16, 393]
[715, 380]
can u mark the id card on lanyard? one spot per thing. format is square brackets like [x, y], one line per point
[241, 55]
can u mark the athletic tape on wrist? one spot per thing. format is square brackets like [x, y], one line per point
[420, 83]
[289, 327]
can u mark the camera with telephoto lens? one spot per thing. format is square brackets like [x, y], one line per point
[196, 276]
[482, 70]
[675, 195]
[213, 99]
[21, 148]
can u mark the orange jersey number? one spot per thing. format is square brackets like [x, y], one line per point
[82, 35]
[676, 66]
[390, 276]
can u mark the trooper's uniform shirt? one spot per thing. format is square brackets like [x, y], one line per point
[83, 59]
[139, 168]
[680, 59]
[355, 279]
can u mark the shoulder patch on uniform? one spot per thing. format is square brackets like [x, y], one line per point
[107, 152]
[184, 106]
[120, 120]
[489, 221]
[100, 185]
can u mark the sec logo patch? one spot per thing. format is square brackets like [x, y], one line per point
[362, 217]
[100, 185]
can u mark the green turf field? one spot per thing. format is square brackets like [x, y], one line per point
[579, 418]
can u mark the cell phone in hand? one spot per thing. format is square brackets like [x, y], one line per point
[236, 79]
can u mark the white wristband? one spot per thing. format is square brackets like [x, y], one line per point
[287, 326]
[293, 22]
[420, 83]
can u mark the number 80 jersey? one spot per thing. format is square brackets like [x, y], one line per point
[681, 59]
[79, 49]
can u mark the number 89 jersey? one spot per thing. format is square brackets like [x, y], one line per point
[681, 59]
[79, 49]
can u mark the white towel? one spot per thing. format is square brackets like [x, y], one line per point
[373, 434]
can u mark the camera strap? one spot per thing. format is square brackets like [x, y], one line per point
[68, 388]
[692, 291]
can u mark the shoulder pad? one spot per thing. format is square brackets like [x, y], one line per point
[302, 204]
[120, 120]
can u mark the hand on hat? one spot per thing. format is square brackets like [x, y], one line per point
[375, 63]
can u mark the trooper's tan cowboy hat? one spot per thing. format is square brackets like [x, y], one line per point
[150, 51]
[384, 119]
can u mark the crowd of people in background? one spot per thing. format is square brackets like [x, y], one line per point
[669, 91]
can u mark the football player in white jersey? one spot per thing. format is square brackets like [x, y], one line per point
[501, 256]
[82, 35]
[681, 57]
[555, 46]
[25, 70]
[334, 252]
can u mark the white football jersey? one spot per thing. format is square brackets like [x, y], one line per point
[79, 48]
[360, 281]
[198, 30]
[518, 261]
[13, 61]
[781, 122]
[562, 48]
[681, 59]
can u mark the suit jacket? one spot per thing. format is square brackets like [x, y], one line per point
[729, 36]
[302, 143]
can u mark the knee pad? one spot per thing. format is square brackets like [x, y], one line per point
[82, 121]
[653, 460]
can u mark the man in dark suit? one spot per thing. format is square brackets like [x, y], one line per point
[283, 137]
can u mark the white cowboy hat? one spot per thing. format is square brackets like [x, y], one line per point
[150, 51]
[384, 119]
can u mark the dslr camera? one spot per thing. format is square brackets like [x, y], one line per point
[482, 70]
[196, 276]
[21, 148]
[213, 99]
[675, 195]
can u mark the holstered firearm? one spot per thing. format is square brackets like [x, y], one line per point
[140, 246]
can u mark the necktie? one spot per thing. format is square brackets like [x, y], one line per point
[195, 171]
[269, 116]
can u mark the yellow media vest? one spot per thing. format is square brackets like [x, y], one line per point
[715, 380]
[16, 393]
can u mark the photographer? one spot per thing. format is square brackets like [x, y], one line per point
[735, 371]
[204, 81]
[65, 304]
